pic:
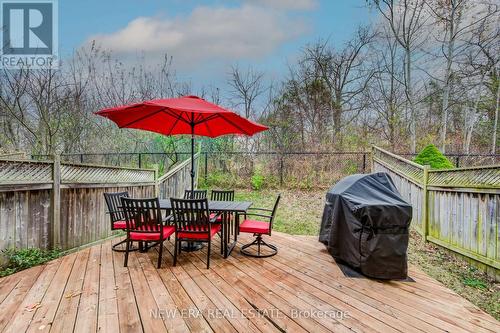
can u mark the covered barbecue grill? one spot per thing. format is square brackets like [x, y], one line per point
[365, 225]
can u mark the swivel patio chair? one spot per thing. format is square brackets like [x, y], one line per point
[195, 194]
[117, 217]
[259, 228]
[144, 224]
[193, 223]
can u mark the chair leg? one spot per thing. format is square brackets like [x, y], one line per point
[260, 243]
[208, 255]
[127, 249]
[221, 245]
[117, 247]
[160, 253]
[176, 249]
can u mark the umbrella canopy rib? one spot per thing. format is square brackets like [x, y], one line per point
[208, 129]
[234, 124]
[177, 118]
[139, 119]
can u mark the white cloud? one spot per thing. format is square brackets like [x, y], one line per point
[246, 32]
[287, 4]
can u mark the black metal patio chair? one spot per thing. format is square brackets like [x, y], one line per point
[195, 194]
[193, 224]
[116, 215]
[222, 195]
[259, 228]
[144, 224]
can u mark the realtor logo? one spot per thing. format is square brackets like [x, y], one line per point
[28, 34]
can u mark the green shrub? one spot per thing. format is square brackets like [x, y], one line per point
[257, 180]
[430, 155]
[19, 259]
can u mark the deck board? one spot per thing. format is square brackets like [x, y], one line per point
[86, 318]
[91, 291]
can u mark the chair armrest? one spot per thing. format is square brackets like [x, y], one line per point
[263, 209]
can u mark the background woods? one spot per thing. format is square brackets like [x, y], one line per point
[424, 71]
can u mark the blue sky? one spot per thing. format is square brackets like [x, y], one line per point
[206, 37]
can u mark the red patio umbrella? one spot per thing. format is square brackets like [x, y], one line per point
[184, 115]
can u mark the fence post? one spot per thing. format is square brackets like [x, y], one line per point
[458, 161]
[56, 202]
[425, 203]
[206, 167]
[364, 162]
[81, 158]
[281, 170]
[140, 160]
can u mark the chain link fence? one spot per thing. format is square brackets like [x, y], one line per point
[263, 169]
[273, 169]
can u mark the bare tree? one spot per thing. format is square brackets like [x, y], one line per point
[459, 19]
[345, 76]
[448, 13]
[406, 20]
[47, 111]
[247, 87]
[482, 61]
[386, 90]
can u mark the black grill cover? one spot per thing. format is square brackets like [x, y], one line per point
[365, 225]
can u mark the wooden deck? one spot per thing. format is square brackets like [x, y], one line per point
[300, 289]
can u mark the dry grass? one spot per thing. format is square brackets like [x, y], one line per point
[300, 213]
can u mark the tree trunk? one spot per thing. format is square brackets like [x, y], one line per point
[468, 135]
[392, 131]
[409, 96]
[469, 125]
[447, 80]
[495, 124]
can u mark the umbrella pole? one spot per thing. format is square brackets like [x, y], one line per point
[192, 159]
[192, 246]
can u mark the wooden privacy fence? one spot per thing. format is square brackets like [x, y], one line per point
[49, 204]
[458, 209]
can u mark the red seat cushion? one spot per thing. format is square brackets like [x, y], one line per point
[152, 236]
[219, 218]
[255, 227]
[215, 228]
[120, 225]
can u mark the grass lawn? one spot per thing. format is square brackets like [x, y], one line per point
[299, 213]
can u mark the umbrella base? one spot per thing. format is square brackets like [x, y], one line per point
[191, 246]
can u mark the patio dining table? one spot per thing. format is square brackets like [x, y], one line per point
[226, 208]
